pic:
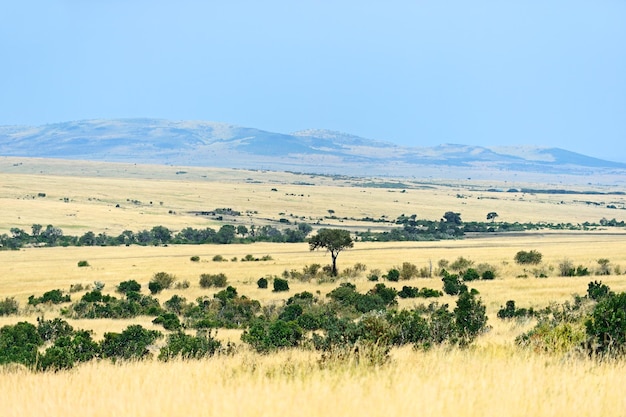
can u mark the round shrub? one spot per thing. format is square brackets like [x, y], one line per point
[130, 285]
[488, 275]
[280, 285]
[262, 283]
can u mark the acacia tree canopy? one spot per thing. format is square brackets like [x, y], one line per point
[334, 241]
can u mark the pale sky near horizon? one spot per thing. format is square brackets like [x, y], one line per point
[417, 73]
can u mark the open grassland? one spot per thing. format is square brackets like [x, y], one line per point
[480, 382]
[112, 201]
[493, 377]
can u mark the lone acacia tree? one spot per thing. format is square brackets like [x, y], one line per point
[334, 241]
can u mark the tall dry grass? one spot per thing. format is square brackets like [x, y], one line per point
[477, 382]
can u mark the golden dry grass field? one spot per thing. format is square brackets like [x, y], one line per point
[493, 377]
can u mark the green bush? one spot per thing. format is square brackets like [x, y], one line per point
[19, 343]
[169, 321]
[387, 294]
[408, 292]
[488, 275]
[184, 346]
[470, 317]
[229, 293]
[262, 283]
[67, 350]
[9, 306]
[510, 311]
[82, 264]
[471, 275]
[52, 296]
[195, 259]
[596, 290]
[132, 343]
[218, 258]
[264, 335]
[393, 275]
[532, 257]
[176, 304]
[452, 285]
[155, 287]
[50, 330]
[281, 285]
[126, 286]
[606, 327]
[213, 280]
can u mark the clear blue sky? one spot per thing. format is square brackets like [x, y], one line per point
[422, 73]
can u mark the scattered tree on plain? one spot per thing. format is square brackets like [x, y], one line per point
[334, 241]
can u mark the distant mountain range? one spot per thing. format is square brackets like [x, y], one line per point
[197, 143]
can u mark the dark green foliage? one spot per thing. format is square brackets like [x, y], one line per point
[471, 275]
[19, 344]
[67, 350]
[52, 296]
[488, 275]
[532, 257]
[213, 280]
[596, 290]
[132, 343]
[228, 294]
[262, 283]
[96, 305]
[387, 294]
[82, 264]
[470, 317]
[264, 335]
[291, 312]
[126, 286]
[181, 345]
[9, 306]
[606, 327]
[195, 259]
[414, 292]
[155, 287]
[393, 275]
[49, 330]
[280, 285]
[510, 311]
[176, 304]
[408, 292]
[170, 321]
[452, 285]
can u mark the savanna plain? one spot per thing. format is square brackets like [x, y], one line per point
[493, 376]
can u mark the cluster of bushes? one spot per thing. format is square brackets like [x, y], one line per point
[56, 345]
[594, 324]
[353, 323]
[52, 296]
[414, 292]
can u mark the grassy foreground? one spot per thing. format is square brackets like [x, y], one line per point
[492, 378]
[491, 381]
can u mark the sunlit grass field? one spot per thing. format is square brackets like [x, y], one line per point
[493, 377]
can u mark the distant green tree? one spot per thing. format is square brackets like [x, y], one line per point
[334, 241]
